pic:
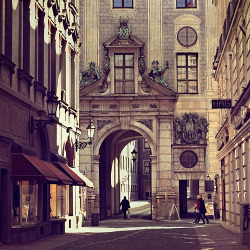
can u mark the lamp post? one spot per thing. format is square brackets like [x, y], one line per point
[91, 131]
[52, 103]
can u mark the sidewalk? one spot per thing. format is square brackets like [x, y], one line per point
[210, 236]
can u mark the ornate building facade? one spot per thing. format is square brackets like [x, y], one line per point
[232, 74]
[144, 74]
[39, 64]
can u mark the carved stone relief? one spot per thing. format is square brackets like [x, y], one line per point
[102, 123]
[190, 129]
[148, 123]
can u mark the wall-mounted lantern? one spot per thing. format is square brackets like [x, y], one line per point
[52, 103]
[91, 132]
[134, 153]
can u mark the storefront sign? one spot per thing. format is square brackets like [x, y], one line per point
[84, 200]
[221, 104]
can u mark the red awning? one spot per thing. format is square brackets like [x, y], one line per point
[28, 167]
[79, 179]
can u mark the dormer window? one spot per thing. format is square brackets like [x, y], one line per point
[124, 73]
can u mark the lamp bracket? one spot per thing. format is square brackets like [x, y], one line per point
[82, 145]
[39, 123]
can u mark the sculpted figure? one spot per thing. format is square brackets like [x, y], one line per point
[89, 76]
[157, 73]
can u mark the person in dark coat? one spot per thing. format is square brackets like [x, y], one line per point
[202, 211]
[196, 209]
[125, 206]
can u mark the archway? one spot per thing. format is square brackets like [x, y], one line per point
[119, 175]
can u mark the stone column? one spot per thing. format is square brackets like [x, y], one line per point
[154, 185]
[95, 179]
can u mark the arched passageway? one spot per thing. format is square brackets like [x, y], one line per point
[121, 175]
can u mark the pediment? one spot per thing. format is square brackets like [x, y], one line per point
[157, 89]
[154, 89]
[92, 89]
[132, 41]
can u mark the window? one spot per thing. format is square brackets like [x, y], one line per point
[187, 36]
[23, 202]
[40, 47]
[123, 3]
[187, 73]
[147, 167]
[186, 4]
[124, 74]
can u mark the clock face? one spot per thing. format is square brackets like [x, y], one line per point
[188, 159]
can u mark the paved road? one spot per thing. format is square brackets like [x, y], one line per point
[138, 232]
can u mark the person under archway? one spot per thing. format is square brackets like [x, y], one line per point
[125, 206]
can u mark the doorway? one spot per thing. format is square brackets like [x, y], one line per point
[188, 191]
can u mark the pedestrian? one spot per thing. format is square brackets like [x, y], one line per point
[196, 209]
[202, 210]
[125, 206]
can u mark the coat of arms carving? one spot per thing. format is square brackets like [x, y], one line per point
[190, 129]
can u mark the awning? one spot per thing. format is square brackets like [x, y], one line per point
[27, 167]
[79, 179]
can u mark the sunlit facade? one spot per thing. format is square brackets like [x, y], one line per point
[231, 67]
[42, 190]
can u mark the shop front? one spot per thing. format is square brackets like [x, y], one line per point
[42, 197]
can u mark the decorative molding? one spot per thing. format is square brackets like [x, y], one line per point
[148, 123]
[113, 106]
[153, 106]
[135, 106]
[95, 106]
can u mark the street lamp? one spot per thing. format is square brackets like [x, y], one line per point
[91, 131]
[52, 103]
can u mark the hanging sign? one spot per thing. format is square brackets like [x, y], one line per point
[222, 104]
[84, 200]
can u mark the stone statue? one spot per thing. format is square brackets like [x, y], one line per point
[89, 76]
[123, 31]
[157, 73]
[141, 64]
[106, 63]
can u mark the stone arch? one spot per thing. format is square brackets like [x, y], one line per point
[144, 134]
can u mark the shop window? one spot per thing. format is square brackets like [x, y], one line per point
[186, 4]
[58, 201]
[123, 3]
[187, 75]
[23, 203]
[124, 74]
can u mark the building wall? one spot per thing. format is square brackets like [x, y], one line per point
[38, 53]
[231, 69]
[157, 25]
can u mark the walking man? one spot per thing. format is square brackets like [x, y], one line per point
[125, 206]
